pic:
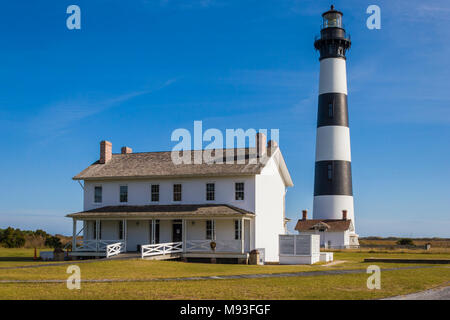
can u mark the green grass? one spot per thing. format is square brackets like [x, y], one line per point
[321, 287]
[11, 257]
[325, 287]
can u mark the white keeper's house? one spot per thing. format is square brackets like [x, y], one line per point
[145, 202]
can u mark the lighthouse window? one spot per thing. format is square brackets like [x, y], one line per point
[330, 110]
[330, 171]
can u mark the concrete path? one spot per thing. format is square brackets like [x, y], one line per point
[441, 293]
[227, 277]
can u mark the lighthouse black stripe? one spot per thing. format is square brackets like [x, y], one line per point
[333, 178]
[333, 110]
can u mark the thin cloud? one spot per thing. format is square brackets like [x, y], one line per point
[57, 118]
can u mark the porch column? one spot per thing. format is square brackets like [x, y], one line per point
[125, 234]
[97, 232]
[153, 232]
[183, 231]
[74, 232]
[250, 233]
[242, 235]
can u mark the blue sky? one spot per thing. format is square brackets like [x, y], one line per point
[137, 70]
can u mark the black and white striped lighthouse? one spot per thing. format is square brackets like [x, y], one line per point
[333, 178]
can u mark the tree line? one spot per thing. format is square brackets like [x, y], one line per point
[16, 238]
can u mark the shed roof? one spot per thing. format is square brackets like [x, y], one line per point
[330, 224]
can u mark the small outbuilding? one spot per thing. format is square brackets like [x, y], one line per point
[334, 233]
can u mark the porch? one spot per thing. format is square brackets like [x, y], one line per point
[218, 237]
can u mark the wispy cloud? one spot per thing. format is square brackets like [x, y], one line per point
[57, 118]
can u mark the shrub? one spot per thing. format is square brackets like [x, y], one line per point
[12, 238]
[53, 242]
[405, 242]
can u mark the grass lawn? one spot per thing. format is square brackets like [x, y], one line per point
[326, 287]
[321, 287]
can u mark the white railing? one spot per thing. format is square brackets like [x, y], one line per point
[86, 245]
[161, 249]
[221, 245]
[94, 245]
[114, 249]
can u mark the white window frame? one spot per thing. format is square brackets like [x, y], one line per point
[151, 192]
[214, 192]
[173, 193]
[238, 230]
[98, 186]
[128, 193]
[212, 229]
[235, 191]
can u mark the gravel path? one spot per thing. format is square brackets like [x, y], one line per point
[442, 293]
[226, 277]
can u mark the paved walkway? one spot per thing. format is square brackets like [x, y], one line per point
[442, 293]
[226, 277]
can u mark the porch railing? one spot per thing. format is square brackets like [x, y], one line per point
[93, 245]
[114, 249]
[149, 250]
[221, 245]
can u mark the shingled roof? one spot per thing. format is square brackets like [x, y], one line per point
[332, 224]
[160, 164]
[149, 211]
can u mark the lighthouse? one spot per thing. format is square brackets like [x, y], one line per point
[333, 193]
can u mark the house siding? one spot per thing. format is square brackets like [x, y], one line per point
[269, 224]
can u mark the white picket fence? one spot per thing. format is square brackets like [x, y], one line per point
[114, 249]
[149, 250]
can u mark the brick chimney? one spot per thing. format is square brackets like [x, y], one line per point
[261, 144]
[126, 150]
[344, 214]
[304, 214]
[105, 151]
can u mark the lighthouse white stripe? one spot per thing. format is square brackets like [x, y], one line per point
[333, 76]
[333, 143]
[330, 207]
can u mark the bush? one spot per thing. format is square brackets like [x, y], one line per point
[53, 242]
[12, 238]
[405, 242]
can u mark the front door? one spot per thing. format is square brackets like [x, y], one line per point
[177, 228]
